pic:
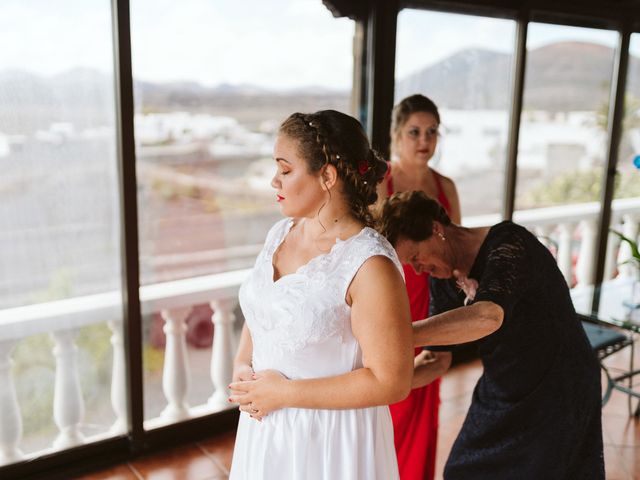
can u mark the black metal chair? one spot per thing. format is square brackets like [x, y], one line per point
[606, 340]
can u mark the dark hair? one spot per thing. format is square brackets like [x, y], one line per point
[332, 137]
[407, 106]
[410, 215]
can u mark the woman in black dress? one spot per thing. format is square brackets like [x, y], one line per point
[536, 411]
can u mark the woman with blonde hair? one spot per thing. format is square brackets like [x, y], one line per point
[415, 128]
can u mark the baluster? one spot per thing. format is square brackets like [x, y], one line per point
[68, 405]
[564, 251]
[543, 232]
[175, 374]
[118, 392]
[222, 351]
[613, 243]
[10, 417]
[629, 230]
[586, 258]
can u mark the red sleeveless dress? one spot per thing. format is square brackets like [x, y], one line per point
[415, 419]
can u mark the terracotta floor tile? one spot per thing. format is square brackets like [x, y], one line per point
[614, 464]
[618, 404]
[621, 430]
[622, 359]
[119, 472]
[221, 448]
[454, 407]
[460, 380]
[211, 458]
[447, 432]
[183, 463]
[631, 460]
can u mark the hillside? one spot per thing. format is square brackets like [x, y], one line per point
[559, 77]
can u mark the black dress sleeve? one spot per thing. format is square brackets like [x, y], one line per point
[508, 270]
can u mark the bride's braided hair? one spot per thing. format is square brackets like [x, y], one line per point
[332, 137]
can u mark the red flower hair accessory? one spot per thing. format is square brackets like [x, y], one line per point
[363, 167]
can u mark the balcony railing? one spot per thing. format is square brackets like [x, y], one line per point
[62, 320]
[570, 231]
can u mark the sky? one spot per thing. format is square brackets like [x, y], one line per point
[278, 44]
[273, 43]
[424, 38]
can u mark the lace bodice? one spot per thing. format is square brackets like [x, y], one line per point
[300, 324]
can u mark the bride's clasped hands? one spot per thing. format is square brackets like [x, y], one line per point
[260, 393]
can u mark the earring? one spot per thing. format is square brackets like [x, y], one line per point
[441, 235]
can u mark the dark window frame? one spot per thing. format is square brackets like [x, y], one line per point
[377, 20]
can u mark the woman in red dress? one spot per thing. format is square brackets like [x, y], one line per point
[414, 137]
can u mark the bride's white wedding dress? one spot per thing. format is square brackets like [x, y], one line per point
[301, 326]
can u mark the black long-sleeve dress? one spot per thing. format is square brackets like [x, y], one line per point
[536, 411]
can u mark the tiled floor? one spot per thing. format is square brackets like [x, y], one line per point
[211, 459]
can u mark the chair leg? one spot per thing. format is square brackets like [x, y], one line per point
[610, 385]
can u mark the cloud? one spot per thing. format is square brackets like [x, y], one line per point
[275, 43]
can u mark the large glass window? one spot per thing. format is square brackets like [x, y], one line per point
[563, 129]
[626, 205]
[213, 81]
[60, 268]
[563, 139]
[463, 63]
[628, 181]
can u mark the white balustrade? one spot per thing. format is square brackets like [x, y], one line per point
[67, 316]
[613, 244]
[587, 256]
[175, 374]
[10, 418]
[543, 232]
[565, 260]
[118, 376]
[222, 351]
[562, 220]
[68, 405]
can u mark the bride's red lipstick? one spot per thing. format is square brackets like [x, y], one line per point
[279, 198]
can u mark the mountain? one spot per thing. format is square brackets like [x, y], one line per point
[568, 76]
[561, 76]
[472, 78]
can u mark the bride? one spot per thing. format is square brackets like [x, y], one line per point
[327, 342]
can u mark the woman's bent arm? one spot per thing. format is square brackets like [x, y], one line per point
[428, 366]
[460, 325]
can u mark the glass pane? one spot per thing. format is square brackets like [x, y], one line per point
[60, 274]
[209, 98]
[563, 139]
[626, 206]
[563, 129]
[628, 181]
[463, 63]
